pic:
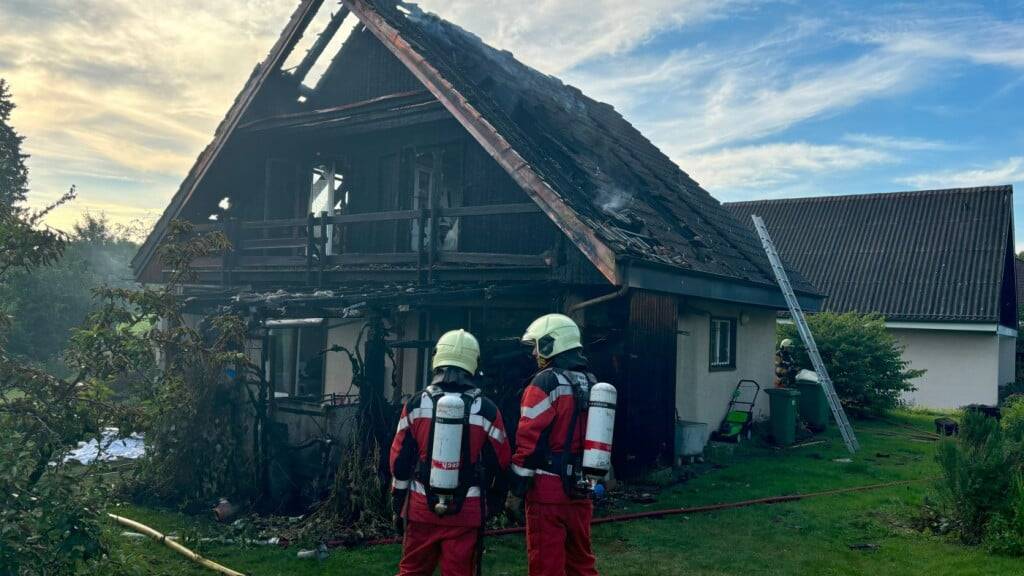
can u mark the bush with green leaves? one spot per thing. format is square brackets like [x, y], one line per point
[863, 359]
[980, 497]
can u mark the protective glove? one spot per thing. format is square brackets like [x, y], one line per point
[515, 508]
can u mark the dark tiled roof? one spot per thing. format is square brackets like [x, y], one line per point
[936, 255]
[619, 183]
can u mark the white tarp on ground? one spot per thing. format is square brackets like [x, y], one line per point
[114, 448]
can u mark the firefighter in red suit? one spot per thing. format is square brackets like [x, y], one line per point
[549, 446]
[452, 537]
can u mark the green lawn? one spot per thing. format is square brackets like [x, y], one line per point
[811, 537]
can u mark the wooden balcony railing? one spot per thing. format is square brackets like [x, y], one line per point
[302, 243]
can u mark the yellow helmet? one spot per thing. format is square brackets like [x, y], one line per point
[786, 343]
[552, 334]
[457, 348]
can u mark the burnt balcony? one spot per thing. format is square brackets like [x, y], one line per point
[419, 245]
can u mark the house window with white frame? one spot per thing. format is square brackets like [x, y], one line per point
[722, 350]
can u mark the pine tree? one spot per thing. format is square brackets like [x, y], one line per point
[13, 172]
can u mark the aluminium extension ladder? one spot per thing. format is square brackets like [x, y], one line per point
[805, 334]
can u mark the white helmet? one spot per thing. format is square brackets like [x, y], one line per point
[552, 334]
[457, 348]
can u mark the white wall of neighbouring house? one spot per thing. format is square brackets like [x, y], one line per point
[962, 367]
[702, 395]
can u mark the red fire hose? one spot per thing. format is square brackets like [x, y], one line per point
[677, 511]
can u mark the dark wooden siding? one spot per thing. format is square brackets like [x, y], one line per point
[646, 414]
[486, 183]
[363, 69]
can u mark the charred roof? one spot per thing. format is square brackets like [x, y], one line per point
[611, 190]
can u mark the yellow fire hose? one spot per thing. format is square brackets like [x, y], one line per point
[159, 537]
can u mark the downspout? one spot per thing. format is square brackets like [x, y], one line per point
[622, 291]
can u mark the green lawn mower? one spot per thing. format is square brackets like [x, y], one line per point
[740, 417]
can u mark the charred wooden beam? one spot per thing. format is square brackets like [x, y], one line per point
[396, 101]
[491, 210]
[318, 47]
[388, 216]
[384, 258]
[480, 258]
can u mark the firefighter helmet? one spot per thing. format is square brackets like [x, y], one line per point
[457, 348]
[552, 334]
[786, 344]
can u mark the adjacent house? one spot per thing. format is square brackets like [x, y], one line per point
[938, 264]
[427, 181]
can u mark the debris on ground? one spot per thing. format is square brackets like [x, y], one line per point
[110, 447]
[319, 553]
[864, 546]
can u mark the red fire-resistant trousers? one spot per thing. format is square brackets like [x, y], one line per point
[558, 539]
[426, 544]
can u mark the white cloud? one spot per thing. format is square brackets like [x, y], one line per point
[973, 37]
[710, 96]
[893, 143]
[770, 166]
[1005, 172]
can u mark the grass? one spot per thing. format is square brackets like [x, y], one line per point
[821, 536]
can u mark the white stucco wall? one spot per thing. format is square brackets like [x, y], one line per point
[703, 395]
[962, 367]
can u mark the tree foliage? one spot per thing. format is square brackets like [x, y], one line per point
[47, 303]
[13, 173]
[863, 359]
[49, 511]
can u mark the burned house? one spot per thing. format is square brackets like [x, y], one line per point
[427, 181]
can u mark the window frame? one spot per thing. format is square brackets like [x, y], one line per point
[296, 350]
[713, 345]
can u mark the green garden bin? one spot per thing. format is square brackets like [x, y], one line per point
[814, 408]
[783, 404]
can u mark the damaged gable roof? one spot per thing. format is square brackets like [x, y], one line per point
[614, 193]
[615, 181]
[937, 255]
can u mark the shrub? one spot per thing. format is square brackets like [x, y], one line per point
[981, 495]
[1005, 534]
[863, 359]
[974, 476]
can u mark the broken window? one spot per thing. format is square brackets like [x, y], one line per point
[296, 360]
[328, 196]
[723, 344]
[431, 192]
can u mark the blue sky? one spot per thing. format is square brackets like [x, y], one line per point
[753, 99]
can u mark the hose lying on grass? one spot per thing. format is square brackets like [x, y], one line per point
[677, 511]
[159, 537]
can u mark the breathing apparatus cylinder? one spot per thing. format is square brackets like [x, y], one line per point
[597, 444]
[446, 457]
